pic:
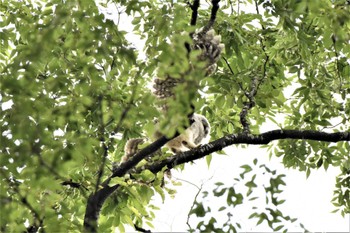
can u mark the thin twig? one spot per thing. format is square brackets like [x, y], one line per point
[37, 151]
[126, 109]
[103, 144]
[258, 12]
[140, 229]
[193, 204]
[228, 65]
[239, 83]
[50, 168]
[38, 221]
[113, 63]
[73, 184]
[255, 85]
[333, 126]
[105, 147]
[334, 39]
[119, 13]
[231, 6]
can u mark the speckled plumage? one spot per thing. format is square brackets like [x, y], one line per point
[211, 47]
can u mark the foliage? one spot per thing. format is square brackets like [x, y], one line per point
[73, 90]
[245, 191]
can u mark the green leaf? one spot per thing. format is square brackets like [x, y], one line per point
[278, 228]
[208, 159]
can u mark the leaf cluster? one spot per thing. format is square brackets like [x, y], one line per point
[245, 191]
[73, 90]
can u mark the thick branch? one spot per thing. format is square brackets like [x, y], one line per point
[214, 11]
[96, 199]
[243, 138]
[194, 8]
[94, 205]
[135, 159]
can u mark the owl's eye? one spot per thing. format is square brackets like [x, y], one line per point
[173, 150]
[184, 143]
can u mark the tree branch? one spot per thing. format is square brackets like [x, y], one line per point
[123, 168]
[106, 146]
[337, 65]
[242, 138]
[140, 229]
[256, 81]
[103, 144]
[94, 205]
[214, 11]
[193, 204]
[73, 184]
[37, 220]
[233, 75]
[194, 7]
[249, 104]
[96, 200]
[126, 109]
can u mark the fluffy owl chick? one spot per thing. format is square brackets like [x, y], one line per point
[196, 134]
[210, 46]
[193, 136]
